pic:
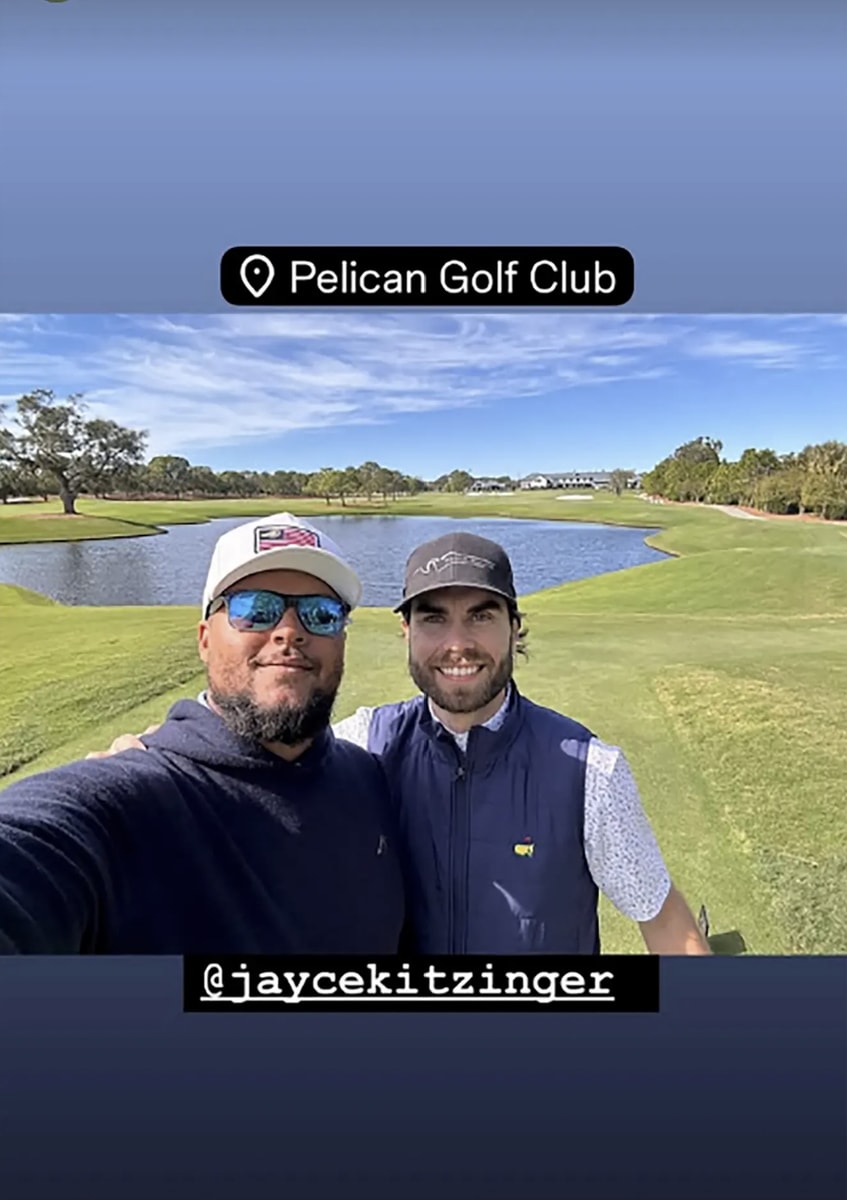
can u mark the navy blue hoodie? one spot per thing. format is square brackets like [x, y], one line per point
[205, 843]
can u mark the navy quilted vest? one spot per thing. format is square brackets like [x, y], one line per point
[493, 839]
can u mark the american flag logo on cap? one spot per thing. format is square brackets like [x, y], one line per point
[272, 537]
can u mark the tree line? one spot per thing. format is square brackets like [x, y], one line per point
[48, 446]
[811, 480]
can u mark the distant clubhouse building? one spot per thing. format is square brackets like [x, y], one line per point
[563, 480]
[556, 480]
[488, 485]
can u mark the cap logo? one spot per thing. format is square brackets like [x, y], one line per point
[272, 537]
[453, 559]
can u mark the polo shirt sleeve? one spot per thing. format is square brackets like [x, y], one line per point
[620, 847]
[355, 728]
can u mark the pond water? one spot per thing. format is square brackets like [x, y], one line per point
[170, 568]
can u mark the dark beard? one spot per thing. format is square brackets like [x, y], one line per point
[426, 680]
[283, 723]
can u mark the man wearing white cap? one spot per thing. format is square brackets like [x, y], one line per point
[245, 827]
[280, 695]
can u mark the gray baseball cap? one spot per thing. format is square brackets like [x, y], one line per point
[458, 560]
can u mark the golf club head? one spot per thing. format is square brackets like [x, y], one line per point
[703, 921]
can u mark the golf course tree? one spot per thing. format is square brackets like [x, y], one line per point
[455, 481]
[619, 480]
[54, 439]
[169, 475]
[16, 481]
[459, 481]
[824, 479]
[394, 484]
[256, 483]
[781, 490]
[9, 487]
[235, 483]
[725, 484]
[378, 480]
[351, 482]
[813, 480]
[700, 450]
[202, 481]
[114, 457]
[327, 482]
[370, 480]
[755, 467]
[687, 473]
[288, 483]
[368, 473]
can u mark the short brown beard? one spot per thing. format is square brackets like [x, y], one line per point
[425, 679]
[286, 724]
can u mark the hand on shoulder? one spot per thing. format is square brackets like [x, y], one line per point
[125, 741]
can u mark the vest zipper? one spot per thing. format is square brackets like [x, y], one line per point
[457, 904]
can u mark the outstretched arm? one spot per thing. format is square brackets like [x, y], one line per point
[625, 860]
[53, 863]
[674, 930]
[352, 729]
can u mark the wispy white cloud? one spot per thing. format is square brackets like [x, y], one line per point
[760, 352]
[196, 382]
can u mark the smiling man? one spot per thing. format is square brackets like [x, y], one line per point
[513, 816]
[245, 826]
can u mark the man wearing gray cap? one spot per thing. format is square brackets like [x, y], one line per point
[513, 816]
[245, 827]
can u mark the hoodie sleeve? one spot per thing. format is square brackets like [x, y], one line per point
[54, 856]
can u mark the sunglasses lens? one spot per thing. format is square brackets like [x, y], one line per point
[321, 614]
[254, 611]
[257, 612]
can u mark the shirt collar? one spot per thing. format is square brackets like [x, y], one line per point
[493, 723]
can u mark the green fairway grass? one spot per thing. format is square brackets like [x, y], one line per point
[722, 671]
[43, 521]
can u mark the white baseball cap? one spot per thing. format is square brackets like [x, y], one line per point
[281, 542]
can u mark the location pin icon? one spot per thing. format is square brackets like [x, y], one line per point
[257, 274]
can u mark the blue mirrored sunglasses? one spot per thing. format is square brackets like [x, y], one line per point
[258, 611]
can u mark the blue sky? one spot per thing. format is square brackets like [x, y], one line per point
[493, 393]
